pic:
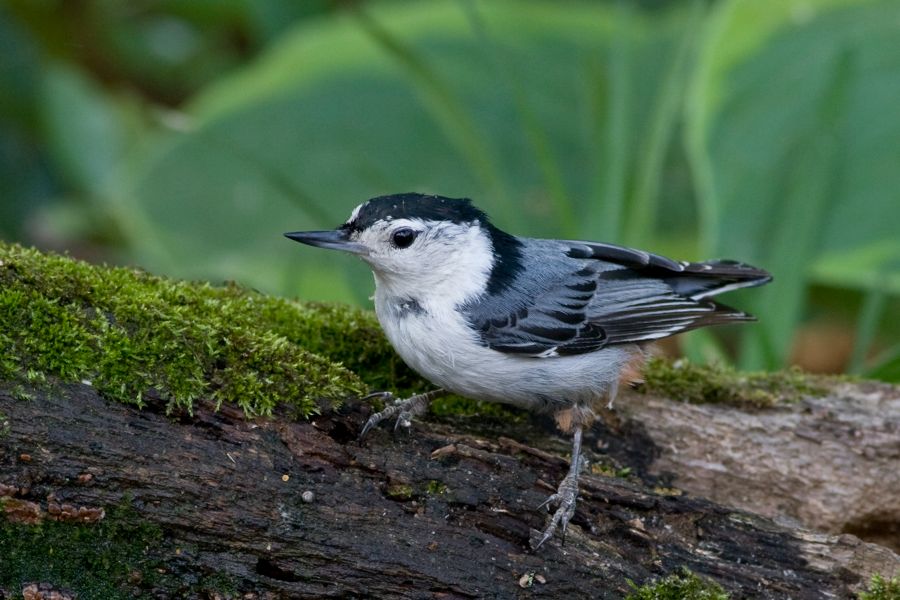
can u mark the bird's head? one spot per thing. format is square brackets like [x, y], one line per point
[414, 240]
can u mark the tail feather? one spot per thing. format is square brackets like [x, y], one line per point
[704, 279]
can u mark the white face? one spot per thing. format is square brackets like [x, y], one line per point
[415, 257]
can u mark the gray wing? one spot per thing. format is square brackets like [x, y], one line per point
[608, 295]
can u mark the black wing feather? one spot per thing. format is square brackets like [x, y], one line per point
[626, 296]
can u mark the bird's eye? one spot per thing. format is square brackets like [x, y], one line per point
[403, 237]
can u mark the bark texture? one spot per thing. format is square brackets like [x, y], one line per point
[830, 463]
[301, 510]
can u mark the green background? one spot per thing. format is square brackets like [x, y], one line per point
[186, 136]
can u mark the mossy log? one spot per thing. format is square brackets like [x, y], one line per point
[214, 505]
[119, 476]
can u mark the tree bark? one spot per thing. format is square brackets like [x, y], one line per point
[829, 463]
[300, 509]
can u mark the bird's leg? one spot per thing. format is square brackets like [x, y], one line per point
[565, 495]
[611, 394]
[403, 410]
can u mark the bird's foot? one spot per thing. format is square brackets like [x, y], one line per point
[564, 499]
[403, 410]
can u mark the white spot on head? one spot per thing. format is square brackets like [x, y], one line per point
[355, 212]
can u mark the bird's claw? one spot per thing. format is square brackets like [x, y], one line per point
[551, 499]
[385, 396]
[404, 410]
[564, 498]
[378, 417]
[370, 423]
[404, 420]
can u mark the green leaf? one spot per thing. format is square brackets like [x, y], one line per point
[792, 149]
[82, 127]
[887, 368]
[870, 315]
[872, 266]
[425, 97]
[26, 182]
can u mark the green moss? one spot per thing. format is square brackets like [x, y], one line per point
[399, 491]
[348, 335]
[111, 559]
[679, 586]
[882, 589]
[128, 332]
[609, 468]
[699, 384]
[436, 488]
[19, 392]
[453, 405]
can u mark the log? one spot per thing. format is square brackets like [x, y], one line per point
[828, 461]
[213, 505]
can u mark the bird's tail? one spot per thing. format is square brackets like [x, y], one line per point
[709, 278]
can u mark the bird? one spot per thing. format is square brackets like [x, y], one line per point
[547, 325]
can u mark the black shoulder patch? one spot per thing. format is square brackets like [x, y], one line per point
[508, 259]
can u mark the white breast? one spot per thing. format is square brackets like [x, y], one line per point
[433, 339]
[437, 343]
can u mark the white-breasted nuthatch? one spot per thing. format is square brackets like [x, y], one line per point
[547, 325]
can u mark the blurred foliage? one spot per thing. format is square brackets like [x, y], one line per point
[790, 145]
[186, 135]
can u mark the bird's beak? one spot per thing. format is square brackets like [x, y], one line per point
[336, 239]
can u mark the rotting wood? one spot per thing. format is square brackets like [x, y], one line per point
[829, 463]
[391, 519]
